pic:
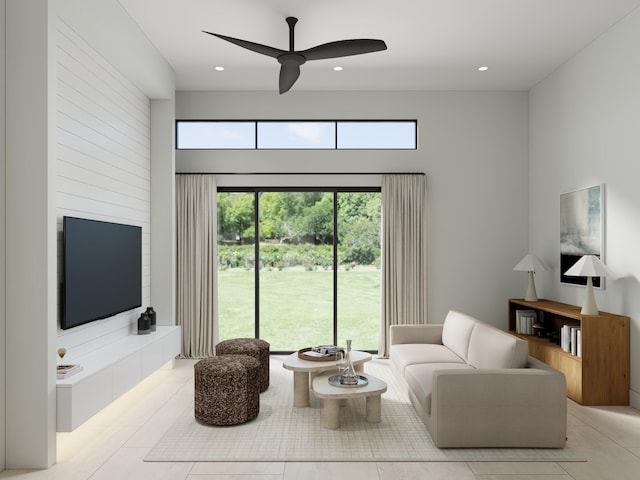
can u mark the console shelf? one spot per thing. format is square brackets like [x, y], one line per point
[110, 371]
[601, 375]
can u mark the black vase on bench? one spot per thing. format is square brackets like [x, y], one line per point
[152, 316]
[144, 324]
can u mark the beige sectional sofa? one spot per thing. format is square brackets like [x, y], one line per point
[474, 385]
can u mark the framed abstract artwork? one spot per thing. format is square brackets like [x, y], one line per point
[581, 230]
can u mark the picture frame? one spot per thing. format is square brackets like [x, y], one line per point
[581, 230]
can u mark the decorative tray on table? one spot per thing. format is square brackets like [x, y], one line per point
[335, 381]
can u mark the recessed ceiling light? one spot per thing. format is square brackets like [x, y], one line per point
[483, 69]
[219, 69]
[337, 69]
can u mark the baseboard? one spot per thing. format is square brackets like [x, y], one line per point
[634, 399]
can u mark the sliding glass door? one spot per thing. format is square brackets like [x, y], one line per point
[358, 274]
[236, 261]
[316, 279]
[296, 268]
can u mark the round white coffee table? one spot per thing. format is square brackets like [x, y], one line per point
[303, 368]
[331, 396]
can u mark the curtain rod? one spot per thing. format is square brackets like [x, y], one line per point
[301, 173]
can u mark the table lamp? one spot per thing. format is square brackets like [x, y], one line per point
[589, 266]
[530, 263]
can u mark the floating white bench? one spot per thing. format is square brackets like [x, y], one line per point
[110, 371]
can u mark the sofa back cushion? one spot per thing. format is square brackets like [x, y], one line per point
[490, 347]
[456, 333]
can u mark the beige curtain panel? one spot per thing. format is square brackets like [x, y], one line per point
[197, 297]
[404, 253]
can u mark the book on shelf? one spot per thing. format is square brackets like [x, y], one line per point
[573, 340]
[65, 371]
[570, 340]
[564, 338]
[524, 321]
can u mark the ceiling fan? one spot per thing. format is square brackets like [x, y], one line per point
[291, 59]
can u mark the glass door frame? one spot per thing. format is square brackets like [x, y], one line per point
[334, 190]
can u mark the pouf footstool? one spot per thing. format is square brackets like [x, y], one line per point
[226, 390]
[254, 347]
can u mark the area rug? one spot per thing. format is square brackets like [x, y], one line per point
[284, 433]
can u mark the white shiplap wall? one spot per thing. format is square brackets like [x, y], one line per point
[103, 164]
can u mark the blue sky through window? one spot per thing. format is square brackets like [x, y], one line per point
[377, 135]
[207, 135]
[297, 135]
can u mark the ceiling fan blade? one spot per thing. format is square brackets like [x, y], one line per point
[289, 73]
[254, 47]
[343, 48]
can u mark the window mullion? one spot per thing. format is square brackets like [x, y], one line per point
[256, 261]
[335, 267]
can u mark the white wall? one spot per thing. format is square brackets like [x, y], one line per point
[584, 131]
[472, 146]
[109, 29]
[30, 235]
[103, 168]
[2, 234]
[163, 220]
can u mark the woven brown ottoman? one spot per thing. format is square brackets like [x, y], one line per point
[254, 347]
[226, 390]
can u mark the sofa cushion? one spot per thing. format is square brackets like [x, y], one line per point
[490, 347]
[419, 378]
[406, 354]
[456, 332]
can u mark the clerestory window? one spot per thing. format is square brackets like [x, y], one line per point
[309, 135]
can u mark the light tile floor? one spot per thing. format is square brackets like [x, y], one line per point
[113, 443]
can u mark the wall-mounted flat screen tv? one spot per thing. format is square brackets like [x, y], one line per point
[102, 270]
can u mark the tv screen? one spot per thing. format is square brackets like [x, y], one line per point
[102, 270]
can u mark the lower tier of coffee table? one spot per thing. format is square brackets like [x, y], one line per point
[333, 396]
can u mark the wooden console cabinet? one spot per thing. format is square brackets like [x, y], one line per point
[600, 376]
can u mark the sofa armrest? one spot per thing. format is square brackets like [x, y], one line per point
[511, 407]
[415, 334]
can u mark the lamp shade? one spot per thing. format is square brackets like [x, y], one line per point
[530, 263]
[589, 266]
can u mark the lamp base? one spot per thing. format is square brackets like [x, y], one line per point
[589, 306]
[531, 295]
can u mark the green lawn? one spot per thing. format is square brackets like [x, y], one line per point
[296, 307]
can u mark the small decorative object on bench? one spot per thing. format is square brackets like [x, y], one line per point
[152, 317]
[65, 371]
[144, 324]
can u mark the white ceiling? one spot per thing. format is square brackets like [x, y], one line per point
[432, 44]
